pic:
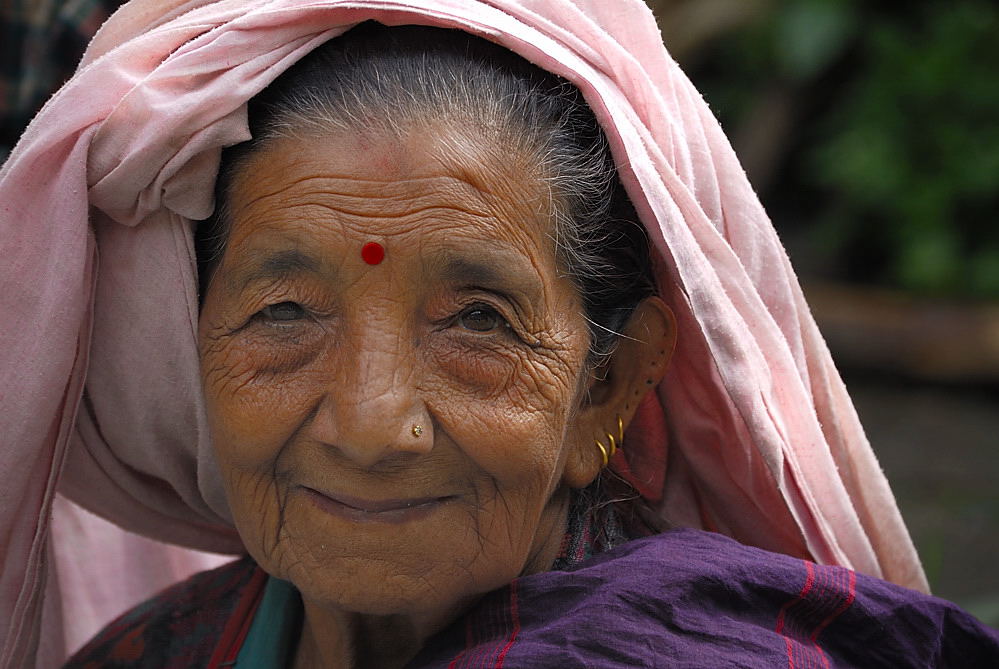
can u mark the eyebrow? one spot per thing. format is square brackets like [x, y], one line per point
[276, 265]
[500, 271]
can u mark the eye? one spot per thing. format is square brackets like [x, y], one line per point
[480, 318]
[283, 312]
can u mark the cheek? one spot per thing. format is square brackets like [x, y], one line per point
[254, 414]
[482, 371]
[506, 407]
[254, 410]
[251, 365]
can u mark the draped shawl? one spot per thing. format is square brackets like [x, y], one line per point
[750, 434]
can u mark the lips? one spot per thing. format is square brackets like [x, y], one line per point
[394, 510]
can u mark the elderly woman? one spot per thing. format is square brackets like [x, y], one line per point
[463, 273]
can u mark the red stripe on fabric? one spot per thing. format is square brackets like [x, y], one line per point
[469, 640]
[822, 656]
[847, 603]
[238, 626]
[819, 598]
[516, 624]
[563, 549]
[486, 631]
[809, 581]
[581, 548]
[827, 592]
[498, 626]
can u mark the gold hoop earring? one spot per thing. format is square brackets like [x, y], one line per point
[620, 431]
[603, 453]
[613, 445]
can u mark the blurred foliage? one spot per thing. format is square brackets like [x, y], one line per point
[890, 160]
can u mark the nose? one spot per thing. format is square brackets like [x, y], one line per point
[372, 406]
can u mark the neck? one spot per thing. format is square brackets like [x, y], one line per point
[335, 639]
[331, 641]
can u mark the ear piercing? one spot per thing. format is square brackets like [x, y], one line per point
[608, 453]
[603, 453]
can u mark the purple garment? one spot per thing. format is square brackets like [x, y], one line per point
[685, 598]
[689, 598]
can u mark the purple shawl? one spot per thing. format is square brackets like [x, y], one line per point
[688, 598]
[684, 598]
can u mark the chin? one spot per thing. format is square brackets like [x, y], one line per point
[400, 584]
[376, 589]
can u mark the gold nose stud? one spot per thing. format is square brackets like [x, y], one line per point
[417, 431]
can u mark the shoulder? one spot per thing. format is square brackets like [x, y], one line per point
[745, 601]
[689, 598]
[179, 627]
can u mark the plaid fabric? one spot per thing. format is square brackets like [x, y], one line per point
[177, 629]
[592, 527]
[41, 42]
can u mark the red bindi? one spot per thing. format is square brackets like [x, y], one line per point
[373, 253]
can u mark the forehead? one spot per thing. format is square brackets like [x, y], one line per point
[425, 187]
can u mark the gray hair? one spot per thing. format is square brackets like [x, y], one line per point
[380, 79]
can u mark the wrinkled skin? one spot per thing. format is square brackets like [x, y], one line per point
[316, 366]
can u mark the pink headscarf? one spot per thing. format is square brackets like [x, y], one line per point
[750, 434]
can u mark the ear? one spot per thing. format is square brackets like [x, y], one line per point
[616, 387]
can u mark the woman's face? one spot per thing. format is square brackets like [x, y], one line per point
[319, 366]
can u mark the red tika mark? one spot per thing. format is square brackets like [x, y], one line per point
[373, 253]
[827, 593]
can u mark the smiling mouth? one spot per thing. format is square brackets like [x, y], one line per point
[375, 511]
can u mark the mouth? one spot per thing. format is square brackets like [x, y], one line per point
[395, 511]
